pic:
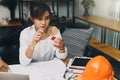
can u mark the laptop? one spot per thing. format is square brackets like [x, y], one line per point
[13, 76]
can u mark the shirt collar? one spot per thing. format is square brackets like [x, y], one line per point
[33, 28]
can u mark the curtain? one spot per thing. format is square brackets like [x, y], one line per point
[109, 9]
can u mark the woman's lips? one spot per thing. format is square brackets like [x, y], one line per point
[42, 26]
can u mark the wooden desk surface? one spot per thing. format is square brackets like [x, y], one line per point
[106, 49]
[16, 23]
[78, 75]
[101, 22]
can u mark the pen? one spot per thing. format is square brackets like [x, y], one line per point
[35, 42]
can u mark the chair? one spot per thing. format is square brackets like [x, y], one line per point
[76, 41]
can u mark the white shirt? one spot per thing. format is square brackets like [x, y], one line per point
[43, 51]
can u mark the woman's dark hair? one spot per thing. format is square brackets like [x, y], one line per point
[37, 9]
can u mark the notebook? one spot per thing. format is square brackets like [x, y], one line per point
[13, 76]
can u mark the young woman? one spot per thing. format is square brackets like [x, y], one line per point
[41, 42]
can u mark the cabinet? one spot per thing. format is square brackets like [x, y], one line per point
[12, 24]
[54, 4]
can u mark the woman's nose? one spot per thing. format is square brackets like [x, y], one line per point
[43, 22]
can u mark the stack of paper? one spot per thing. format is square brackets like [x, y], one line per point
[49, 70]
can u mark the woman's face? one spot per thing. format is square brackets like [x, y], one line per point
[42, 22]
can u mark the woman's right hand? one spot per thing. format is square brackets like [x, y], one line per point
[38, 35]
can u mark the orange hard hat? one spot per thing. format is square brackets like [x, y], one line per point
[98, 68]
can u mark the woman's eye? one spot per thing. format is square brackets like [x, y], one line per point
[48, 17]
[39, 18]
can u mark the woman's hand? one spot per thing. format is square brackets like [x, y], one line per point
[38, 35]
[59, 43]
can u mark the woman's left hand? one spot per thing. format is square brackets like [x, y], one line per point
[59, 43]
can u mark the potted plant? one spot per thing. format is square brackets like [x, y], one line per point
[87, 4]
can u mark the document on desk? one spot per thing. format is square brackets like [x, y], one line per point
[49, 70]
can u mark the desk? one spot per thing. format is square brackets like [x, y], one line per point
[48, 70]
[51, 70]
[79, 75]
[106, 49]
[109, 24]
[11, 24]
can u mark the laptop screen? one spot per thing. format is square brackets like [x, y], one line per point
[13, 76]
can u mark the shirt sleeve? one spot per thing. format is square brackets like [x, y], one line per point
[24, 60]
[61, 55]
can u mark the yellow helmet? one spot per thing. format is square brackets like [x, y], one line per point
[98, 68]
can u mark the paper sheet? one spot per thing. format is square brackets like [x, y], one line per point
[50, 70]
